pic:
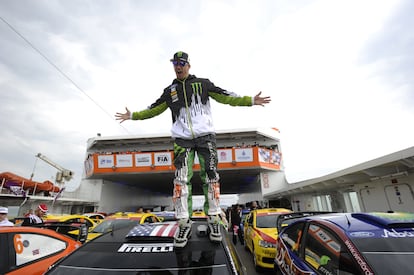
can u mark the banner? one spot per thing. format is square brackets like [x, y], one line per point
[225, 155]
[244, 154]
[105, 161]
[124, 160]
[162, 159]
[143, 159]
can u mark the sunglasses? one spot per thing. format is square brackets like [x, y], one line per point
[181, 63]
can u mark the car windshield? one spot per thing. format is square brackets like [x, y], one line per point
[266, 221]
[109, 225]
[387, 255]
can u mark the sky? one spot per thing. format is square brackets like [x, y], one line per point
[340, 75]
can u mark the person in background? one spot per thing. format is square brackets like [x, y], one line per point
[3, 217]
[254, 205]
[140, 210]
[188, 98]
[36, 218]
[30, 212]
[236, 214]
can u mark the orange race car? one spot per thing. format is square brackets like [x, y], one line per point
[31, 250]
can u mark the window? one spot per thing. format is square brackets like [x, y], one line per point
[250, 219]
[322, 203]
[292, 237]
[29, 247]
[326, 254]
[352, 202]
[266, 221]
[322, 250]
[150, 219]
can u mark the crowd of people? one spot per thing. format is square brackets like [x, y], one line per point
[31, 217]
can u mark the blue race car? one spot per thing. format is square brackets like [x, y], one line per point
[347, 243]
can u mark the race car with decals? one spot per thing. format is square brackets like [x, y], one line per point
[122, 219]
[347, 243]
[260, 234]
[149, 249]
[284, 220]
[32, 249]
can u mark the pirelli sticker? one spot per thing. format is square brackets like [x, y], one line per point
[146, 248]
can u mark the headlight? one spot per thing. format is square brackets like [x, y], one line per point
[265, 244]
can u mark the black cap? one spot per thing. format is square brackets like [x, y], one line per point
[181, 56]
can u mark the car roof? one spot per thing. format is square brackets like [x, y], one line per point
[149, 247]
[270, 211]
[373, 221]
[288, 218]
[35, 229]
[127, 215]
[94, 214]
[64, 216]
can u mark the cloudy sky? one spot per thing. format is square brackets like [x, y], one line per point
[340, 74]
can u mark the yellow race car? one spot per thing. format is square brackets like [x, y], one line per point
[95, 216]
[73, 218]
[122, 219]
[260, 233]
[199, 214]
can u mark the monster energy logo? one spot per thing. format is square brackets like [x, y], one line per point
[180, 54]
[197, 88]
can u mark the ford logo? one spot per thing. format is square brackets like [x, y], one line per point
[362, 234]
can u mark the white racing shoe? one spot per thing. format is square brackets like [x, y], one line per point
[183, 233]
[214, 228]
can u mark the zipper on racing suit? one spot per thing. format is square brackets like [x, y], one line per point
[190, 123]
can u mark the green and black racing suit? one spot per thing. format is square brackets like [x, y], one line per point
[193, 131]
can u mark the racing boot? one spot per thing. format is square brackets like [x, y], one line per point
[180, 200]
[214, 198]
[183, 233]
[214, 228]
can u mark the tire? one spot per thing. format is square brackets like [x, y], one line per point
[257, 267]
[245, 246]
[277, 270]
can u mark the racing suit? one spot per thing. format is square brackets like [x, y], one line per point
[193, 131]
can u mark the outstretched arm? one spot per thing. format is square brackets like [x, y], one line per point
[258, 100]
[123, 116]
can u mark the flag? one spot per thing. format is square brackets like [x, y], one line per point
[153, 230]
[58, 195]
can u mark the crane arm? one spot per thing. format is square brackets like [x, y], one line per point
[63, 173]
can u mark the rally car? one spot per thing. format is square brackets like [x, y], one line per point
[68, 219]
[122, 219]
[149, 249]
[347, 243]
[97, 217]
[31, 250]
[260, 235]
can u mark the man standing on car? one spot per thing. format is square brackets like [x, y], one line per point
[193, 131]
